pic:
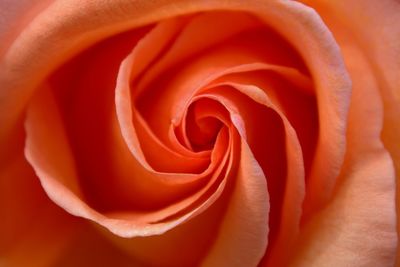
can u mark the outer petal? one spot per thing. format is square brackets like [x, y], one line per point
[357, 228]
[78, 25]
[90, 248]
[15, 16]
[30, 223]
[71, 26]
[372, 27]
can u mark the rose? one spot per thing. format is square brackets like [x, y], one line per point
[333, 223]
[274, 105]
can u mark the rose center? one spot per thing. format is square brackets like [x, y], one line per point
[203, 123]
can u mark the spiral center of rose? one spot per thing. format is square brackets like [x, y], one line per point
[176, 120]
[202, 127]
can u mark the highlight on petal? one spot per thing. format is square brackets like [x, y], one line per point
[15, 16]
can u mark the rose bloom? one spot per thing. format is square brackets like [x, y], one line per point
[199, 133]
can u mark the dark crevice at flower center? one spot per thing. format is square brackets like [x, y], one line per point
[202, 125]
[203, 133]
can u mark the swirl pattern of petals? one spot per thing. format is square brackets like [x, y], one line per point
[193, 120]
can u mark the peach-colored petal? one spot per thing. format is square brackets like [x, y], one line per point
[14, 18]
[57, 177]
[296, 104]
[358, 227]
[244, 229]
[67, 27]
[200, 229]
[80, 27]
[84, 91]
[372, 27]
[175, 91]
[204, 31]
[210, 71]
[57, 173]
[89, 248]
[359, 224]
[42, 121]
[324, 61]
[30, 223]
[293, 193]
[185, 245]
[218, 62]
[145, 52]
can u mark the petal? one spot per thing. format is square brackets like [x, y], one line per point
[286, 199]
[15, 16]
[359, 224]
[244, 229]
[373, 28]
[91, 248]
[30, 222]
[67, 27]
[139, 139]
[49, 153]
[84, 93]
[77, 26]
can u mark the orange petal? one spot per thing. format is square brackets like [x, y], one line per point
[140, 140]
[70, 26]
[373, 28]
[48, 152]
[15, 16]
[185, 245]
[359, 223]
[84, 90]
[90, 248]
[30, 222]
[290, 210]
[244, 229]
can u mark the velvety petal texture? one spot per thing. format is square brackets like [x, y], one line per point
[367, 32]
[198, 133]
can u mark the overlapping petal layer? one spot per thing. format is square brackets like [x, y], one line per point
[193, 123]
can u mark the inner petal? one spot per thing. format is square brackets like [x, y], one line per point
[58, 177]
[286, 192]
[153, 148]
[203, 124]
[298, 106]
[84, 90]
[162, 99]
